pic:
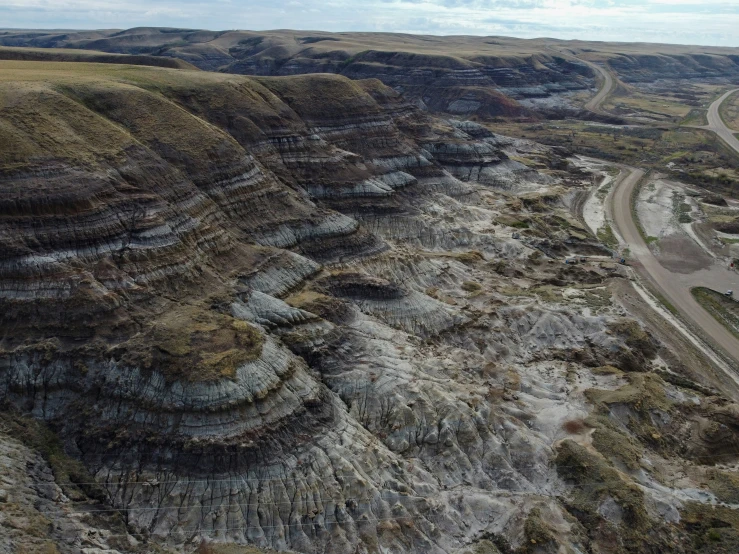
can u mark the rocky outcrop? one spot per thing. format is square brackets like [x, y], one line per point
[289, 312]
[648, 68]
[161, 244]
[463, 76]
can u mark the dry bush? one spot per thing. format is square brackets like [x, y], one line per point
[574, 426]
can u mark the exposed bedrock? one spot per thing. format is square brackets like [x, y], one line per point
[160, 247]
[259, 319]
[473, 78]
[652, 67]
[482, 87]
[462, 75]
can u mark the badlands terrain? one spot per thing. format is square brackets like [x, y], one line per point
[460, 75]
[306, 292]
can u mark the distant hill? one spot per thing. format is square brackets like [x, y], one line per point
[464, 75]
[71, 55]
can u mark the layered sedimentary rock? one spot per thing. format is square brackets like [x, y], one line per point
[461, 75]
[290, 312]
[683, 65]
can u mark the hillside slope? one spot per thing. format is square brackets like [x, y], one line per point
[462, 75]
[75, 55]
[292, 312]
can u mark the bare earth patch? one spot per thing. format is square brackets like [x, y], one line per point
[680, 254]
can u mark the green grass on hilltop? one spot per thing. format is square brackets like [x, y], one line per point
[90, 56]
[315, 96]
[89, 113]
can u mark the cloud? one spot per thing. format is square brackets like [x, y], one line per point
[711, 22]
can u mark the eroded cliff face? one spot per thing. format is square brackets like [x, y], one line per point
[291, 312]
[456, 75]
[484, 77]
[648, 68]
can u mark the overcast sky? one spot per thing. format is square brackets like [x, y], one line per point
[708, 22]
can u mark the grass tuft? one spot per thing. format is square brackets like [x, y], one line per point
[194, 344]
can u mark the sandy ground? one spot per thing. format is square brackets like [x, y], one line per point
[694, 231]
[594, 211]
[654, 208]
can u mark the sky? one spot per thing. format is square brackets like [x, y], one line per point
[705, 22]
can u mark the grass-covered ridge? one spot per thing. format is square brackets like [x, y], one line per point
[398, 49]
[88, 113]
[729, 111]
[89, 56]
[153, 170]
[55, 111]
[188, 342]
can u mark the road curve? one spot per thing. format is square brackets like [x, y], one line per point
[717, 125]
[594, 104]
[672, 288]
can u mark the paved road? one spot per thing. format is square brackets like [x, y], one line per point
[717, 125]
[675, 288]
[594, 103]
[605, 90]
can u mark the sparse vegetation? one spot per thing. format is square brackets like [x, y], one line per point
[595, 482]
[681, 209]
[666, 303]
[725, 485]
[690, 155]
[193, 343]
[606, 236]
[206, 547]
[723, 309]
[471, 286]
[539, 535]
[69, 474]
[695, 118]
[512, 221]
[729, 112]
[634, 213]
[713, 529]
[417, 375]
[613, 443]
[470, 257]
[603, 191]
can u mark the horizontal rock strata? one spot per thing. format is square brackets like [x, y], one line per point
[291, 312]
